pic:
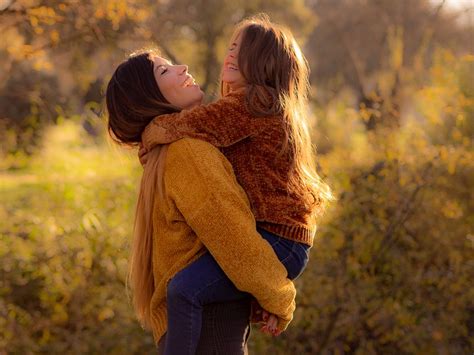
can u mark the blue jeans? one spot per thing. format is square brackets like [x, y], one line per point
[203, 282]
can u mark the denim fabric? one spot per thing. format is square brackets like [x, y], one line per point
[293, 255]
[203, 282]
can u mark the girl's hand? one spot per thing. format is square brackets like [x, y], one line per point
[142, 154]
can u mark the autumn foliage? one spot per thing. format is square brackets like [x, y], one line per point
[392, 266]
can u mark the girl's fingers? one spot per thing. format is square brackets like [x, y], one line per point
[142, 156]
[265, 315]
[142, 151]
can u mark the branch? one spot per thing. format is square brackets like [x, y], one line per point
[329, 329]
[403, 214]
[353, 60]
[438, 9]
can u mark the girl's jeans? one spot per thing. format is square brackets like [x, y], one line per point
[204, 282]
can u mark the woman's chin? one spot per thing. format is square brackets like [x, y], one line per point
[201, 94]
[194, 88]
[196, 100]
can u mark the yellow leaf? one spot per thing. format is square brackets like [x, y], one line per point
[106, 313]
[452, 166]
[54, 35]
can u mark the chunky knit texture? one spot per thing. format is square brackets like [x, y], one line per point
[204, 207]
[252, 145]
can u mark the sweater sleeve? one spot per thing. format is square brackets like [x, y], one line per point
[201, 183]
[221, 123]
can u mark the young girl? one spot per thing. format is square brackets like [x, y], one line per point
[260, 126]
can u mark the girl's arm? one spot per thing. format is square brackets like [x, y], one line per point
[201, 183]
[221, 123]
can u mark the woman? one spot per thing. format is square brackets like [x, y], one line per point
[189, 200]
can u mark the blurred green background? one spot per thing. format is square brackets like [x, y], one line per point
[392, 107]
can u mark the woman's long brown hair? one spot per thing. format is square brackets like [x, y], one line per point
[133, 99]
[277, 76]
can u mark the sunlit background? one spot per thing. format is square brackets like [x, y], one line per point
[392, 109]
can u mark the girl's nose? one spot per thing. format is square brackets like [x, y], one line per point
[183, 69]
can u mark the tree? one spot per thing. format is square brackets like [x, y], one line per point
[359, 43]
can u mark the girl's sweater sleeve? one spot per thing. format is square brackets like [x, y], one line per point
[200, 182]
[221, 123]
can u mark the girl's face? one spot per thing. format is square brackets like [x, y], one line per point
[231, 74]
[176, 84]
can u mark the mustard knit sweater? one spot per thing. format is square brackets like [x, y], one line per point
[203, 207]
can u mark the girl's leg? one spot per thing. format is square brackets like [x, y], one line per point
[202, 282]
[293, 255]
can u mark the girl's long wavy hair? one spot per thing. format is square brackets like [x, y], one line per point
[277, 76]
[133, 99]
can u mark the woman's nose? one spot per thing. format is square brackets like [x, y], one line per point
[183, 69]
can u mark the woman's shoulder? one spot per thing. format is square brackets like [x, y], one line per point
[191, 147]
[195, 168]
[191, 153]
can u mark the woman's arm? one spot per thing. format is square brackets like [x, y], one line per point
[221, 123]
[201, 182]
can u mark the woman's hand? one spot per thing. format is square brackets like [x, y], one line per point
[268, 320]
[142, 154]
[270, 327]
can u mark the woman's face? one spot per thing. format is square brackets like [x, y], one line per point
[231, 74]
[176, 84]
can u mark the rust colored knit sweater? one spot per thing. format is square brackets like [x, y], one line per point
[252, 145]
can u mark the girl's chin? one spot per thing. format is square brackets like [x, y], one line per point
[230, 77]
[235, 86]
[228, 81]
